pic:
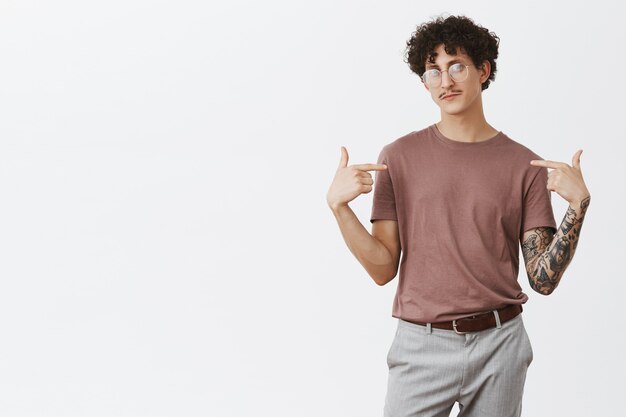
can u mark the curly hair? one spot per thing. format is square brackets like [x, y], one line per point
[454, 32]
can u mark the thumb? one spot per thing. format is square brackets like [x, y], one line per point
[344, 158]
[576, 159]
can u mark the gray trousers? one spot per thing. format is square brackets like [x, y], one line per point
[430, 369]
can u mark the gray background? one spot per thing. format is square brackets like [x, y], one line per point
[165, 244]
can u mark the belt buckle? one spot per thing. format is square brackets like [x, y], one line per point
[454, 327]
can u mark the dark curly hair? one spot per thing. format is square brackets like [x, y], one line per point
[454, 32]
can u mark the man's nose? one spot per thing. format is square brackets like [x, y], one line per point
[446, 80]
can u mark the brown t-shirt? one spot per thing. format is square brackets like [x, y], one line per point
[461, 209]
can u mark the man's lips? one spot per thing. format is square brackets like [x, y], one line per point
[450, 95]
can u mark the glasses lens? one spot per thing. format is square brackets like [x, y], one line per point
[458, 72]
[432, 77]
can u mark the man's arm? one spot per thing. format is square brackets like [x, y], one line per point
[379, 252]
[547, 254]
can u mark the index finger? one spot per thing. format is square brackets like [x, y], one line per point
[547, 163]
[370, 167]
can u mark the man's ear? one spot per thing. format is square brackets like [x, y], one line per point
[486, 70]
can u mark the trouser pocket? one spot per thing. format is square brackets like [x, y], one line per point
[392, 349]
[529, 346]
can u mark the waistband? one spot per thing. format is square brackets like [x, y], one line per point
[477, 322]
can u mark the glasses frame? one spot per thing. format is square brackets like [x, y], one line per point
[441, 72]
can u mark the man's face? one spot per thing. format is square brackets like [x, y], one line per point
[465, 91]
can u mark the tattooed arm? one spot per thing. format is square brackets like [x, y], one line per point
[547, 255]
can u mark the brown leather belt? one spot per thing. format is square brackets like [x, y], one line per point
[477, 322]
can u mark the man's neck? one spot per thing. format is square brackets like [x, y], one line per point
[468, 126]
[466, 130]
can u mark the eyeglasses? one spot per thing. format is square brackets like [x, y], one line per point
[458, 72]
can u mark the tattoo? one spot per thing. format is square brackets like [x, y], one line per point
[540, 238]
[545, 267]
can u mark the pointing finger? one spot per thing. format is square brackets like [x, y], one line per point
[370, 167]
[547, 163]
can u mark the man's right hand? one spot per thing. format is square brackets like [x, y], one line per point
[350, 181]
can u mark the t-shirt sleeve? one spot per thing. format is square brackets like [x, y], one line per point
[537, 206]
[384, 200]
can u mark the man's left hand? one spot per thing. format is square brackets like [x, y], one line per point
[566, 180]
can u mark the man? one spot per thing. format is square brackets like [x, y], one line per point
[455, 199]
